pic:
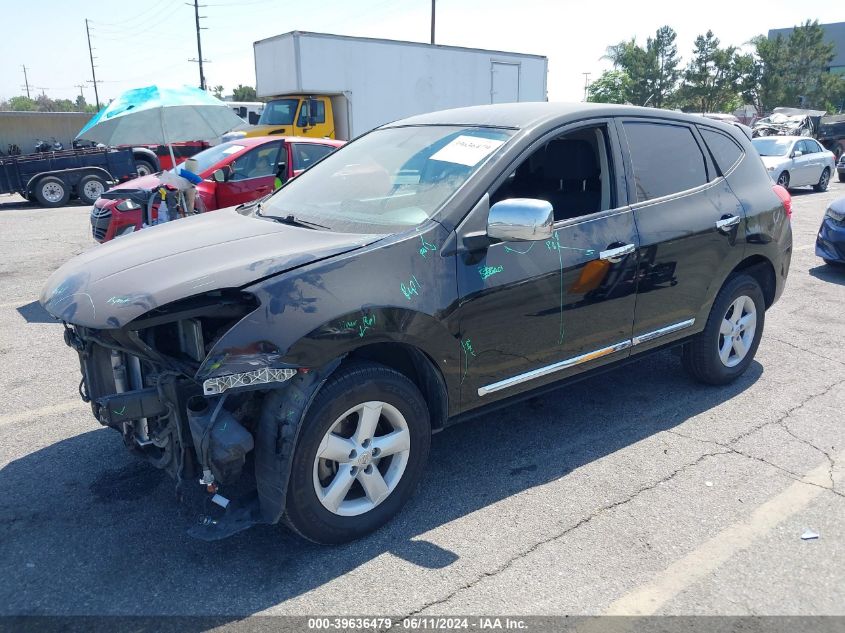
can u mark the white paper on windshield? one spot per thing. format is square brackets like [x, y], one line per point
[467, 150]
[233, 149]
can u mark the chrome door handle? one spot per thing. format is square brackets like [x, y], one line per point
[727, 223]
[615, 255]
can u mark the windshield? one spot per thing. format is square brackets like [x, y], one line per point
[388, 180]
[772, 146]
[279, 112]
[207, 158]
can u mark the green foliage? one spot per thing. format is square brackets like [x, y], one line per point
[712, 79]
[611, 87]
[782, 71]
[652, 70]
[22, 104]
[244, 93]
[217, 91]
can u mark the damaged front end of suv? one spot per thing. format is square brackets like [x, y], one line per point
[184, 379]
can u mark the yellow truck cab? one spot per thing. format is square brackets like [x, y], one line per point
[295, 115]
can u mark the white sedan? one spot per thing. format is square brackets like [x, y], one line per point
[796, 161]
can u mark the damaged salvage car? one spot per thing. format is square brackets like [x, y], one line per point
[290, 358]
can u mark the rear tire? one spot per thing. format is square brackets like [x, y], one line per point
[90, 188]
[144, 167]
[824, 181]
[51, 192]
[725, 348]
[783, 179]
[337, 445]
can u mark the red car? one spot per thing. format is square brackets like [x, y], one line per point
[232, 173]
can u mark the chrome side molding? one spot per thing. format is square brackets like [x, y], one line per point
[583, 358]
[549, 369]
[669, 329]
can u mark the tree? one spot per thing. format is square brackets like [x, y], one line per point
[23, 104]
[712, 82]
[653, 70]
[611, 87]
[665, 66]
[244, 93]
[217, 91]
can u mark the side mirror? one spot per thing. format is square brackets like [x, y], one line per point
[797, 153]
[521, 220]
[281, 169]
[219, 175]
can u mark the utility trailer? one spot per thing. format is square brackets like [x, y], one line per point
[318, 84]
[51, 178]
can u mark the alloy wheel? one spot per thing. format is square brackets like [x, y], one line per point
[736, 332]
[361, 459]
[783, 180]
[825, 180]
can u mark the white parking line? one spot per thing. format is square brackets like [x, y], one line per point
[710, 555]
[32, 414]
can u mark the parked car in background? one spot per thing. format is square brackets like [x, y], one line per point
[436, 268]
[232, 173]
[831, 134]
[796, 161]
[840, 168]
[830, 242]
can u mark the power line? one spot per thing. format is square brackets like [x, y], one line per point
[26, 81]
[93, 73]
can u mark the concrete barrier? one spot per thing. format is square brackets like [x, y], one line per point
[23, 128]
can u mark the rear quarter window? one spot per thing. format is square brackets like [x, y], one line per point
[666, 159]
[724, 150]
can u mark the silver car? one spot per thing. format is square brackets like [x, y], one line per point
[796, 161]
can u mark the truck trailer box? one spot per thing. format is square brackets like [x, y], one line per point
[375, 81]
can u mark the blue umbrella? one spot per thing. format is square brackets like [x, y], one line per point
[156, 114]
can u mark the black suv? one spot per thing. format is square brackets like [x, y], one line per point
[294, 355]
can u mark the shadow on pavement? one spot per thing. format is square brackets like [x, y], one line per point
[834, 274]
[35, 313]
[88, 529]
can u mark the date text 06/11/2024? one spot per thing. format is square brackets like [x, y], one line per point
[423, 623]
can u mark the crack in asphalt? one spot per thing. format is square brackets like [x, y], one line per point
[729, 450]
[808, 351]
[583, 521]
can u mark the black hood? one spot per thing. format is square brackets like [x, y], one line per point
[114, 283]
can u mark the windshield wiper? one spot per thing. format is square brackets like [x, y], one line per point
[292, 221]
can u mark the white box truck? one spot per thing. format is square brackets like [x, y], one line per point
[335, 86]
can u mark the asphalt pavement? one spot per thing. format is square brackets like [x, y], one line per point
[635, 492]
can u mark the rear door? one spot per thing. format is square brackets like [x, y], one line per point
[251, 176]
[690, 225]
[815, 161]
[504, 82]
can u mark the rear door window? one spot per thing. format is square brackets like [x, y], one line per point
[306, 154]
[666, 159]
[725, 151]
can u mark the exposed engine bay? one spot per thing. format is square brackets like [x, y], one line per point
[140, 381]
[788, 122]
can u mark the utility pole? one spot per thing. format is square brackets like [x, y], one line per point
[586, 84]
[93, 73]
[26, 81]
[80, 86]
[432, 22]
[199, 42]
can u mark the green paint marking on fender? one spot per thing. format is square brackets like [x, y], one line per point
[121, 412]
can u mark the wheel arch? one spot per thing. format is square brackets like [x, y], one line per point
[761, 269]
[415, 365]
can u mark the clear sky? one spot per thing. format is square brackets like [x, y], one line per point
[143, 42]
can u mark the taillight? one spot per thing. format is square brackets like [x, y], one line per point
[785, 198]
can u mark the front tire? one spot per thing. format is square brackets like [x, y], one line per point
[52, 192]
[824, 181]
[360, 454]
[783, 179]
[725, 348]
